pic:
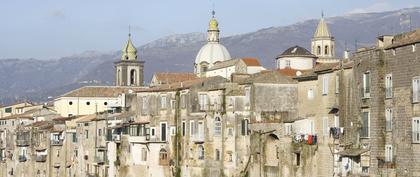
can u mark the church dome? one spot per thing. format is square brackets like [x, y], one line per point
[211, 53]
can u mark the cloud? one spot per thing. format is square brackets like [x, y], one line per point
[377, 7]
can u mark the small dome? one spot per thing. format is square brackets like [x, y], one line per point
[211, 53]
[296, 51]
[213, 24]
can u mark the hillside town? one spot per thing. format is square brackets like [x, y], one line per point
[317, 113]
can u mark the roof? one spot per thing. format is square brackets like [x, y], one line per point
[274, 77]
[100, 91]
[233, 62]
[296, 51]
[407, 38]
[184, 84]
[290, 72]
[322, 29]
[167, 78]
[86, 118]
[319, 69]
[352, 152]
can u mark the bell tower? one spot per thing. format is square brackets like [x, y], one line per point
[323, 43]
[129, 70]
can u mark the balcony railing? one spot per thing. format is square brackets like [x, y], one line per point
[22, 158]
[41, 158]
[22, 142]
[57, 142]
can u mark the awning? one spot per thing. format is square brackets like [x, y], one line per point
[352, 152]
[334, 110]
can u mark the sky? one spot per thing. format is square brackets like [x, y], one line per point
[50, 29]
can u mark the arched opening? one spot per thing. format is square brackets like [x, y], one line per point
[272, 154]
[318, 50]
[133, 77]
[326, 50]
[163, 157]
[118, 77]
[217, 126]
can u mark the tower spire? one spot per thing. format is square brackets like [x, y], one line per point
[129, 31]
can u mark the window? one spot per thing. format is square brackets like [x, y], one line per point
[297, 159]
[200, 130]
[287, 63]
[217, 155]
[388, 153]
[217, 127]
[183, 100]
[173, 104]
[230, 131]
[325, 126]
[244, 127]
[87, 134]
[163, 127]
[192, 128]
[388, 86]
[203, 102]
[416, 89]
[153, 132]
[74, 137]
[365, 125]
[70, 102]
[184, 126]
[143, 154]
[416, 129]
[200, 152]
[310, 94]
[105, 103]
[88, 103]
[337, 84]
[388, 118]
[319, 50]
[8, 110]
[163, 101]
[325, 85]
[99, 132]
[366, 84]
[326, 50]
[144, 103]
[230, 156]
[173, 131]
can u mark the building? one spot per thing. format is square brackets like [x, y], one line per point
[235, 66]
[323, 43]
[169, 78]
[212, 52]
[296, 58]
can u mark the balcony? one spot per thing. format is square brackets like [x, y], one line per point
[56, 142]
[41, 158]
[137, 139]
[198, 138]
[116, 138]
[22, 158]
[22, 142]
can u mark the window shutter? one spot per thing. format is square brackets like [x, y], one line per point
[416, 89]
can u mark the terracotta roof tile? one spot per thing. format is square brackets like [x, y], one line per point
[101, 91]
[251, 61]
[167, 78]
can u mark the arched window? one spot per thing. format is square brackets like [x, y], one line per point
[200, 152]
[217, 126]
[118, 77]
[326, 50]
[163, 157]
[217, 155]
[319, 50]
[133, 77]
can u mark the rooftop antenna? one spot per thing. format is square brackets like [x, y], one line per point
[322, 13]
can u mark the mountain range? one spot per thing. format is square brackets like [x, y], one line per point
[40, 80]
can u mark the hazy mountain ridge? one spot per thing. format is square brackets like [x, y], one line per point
[38, 79]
